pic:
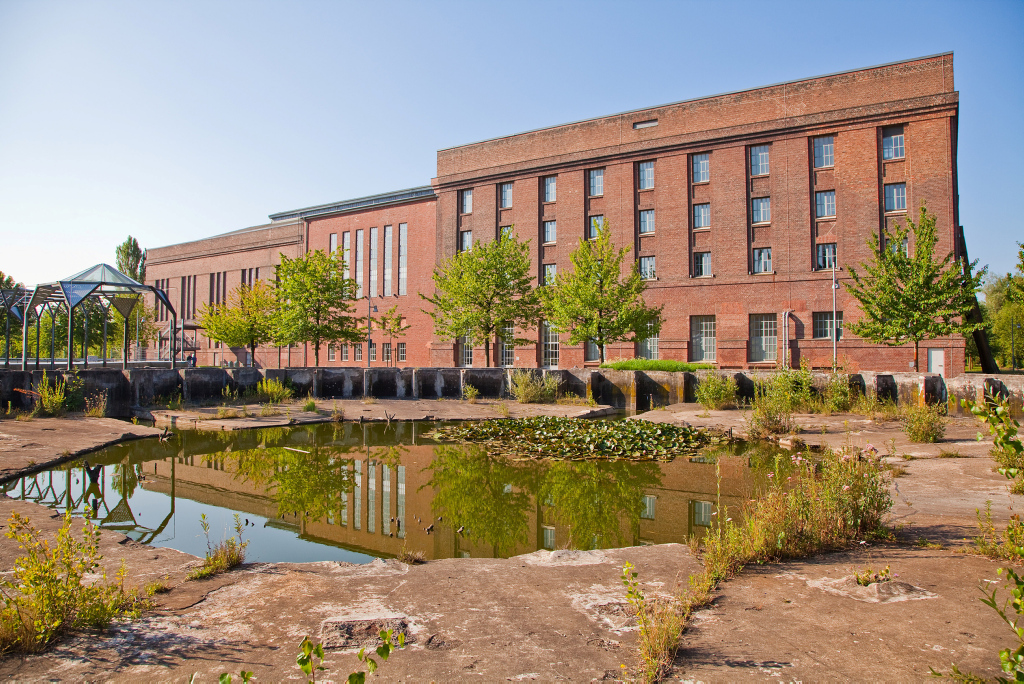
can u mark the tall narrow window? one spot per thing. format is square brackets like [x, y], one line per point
[371, 348]
[763, 260]
[824, 155]
[357, 494]
[646, 221]
[591, 352]
[508, 348]
[385, 500]
[371, 496]
[346, 252]
[465, 241]
[761, 210]
[403, 259]
[701, 168]
[359, 263]
[647, 512]
[648, 347]
[550, 339]
[388, 259]
[892, 143]
[702, 338]
[647, 267]
[465, 345]
[385, 347]
[373, 263]
[331, 352]
[825, 204]
[550, 231]
[764, 337]
[701, 264]
[505, 193]
[550, 188]
[595, 225]
[701, 216]
[826, 255]
[401, 352]
[466, 202]
[596, 182]
[357, 352]
[344, 352]
[759, 160]
[550, 271]
[896, 197]
[332, 243]
[645, 175]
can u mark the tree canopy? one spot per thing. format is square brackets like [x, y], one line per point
[909, 295]
[595, 302]
[480, 292]
[246, 319]
[131, 259]
[315, 302]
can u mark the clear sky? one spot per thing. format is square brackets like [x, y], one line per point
[172, 121]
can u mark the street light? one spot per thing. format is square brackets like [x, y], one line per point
[835, 323]
[370, 310]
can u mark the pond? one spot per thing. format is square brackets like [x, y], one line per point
[354, 492]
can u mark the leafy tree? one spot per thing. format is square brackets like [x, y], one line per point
[479, 292]
[131, 259]
[314, 299]
[595, 303]
[390, 323]
[8, 282]
[909, 295]
[246, 319]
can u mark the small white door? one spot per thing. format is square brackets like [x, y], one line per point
[937, 361]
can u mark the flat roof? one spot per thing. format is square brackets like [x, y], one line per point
[697, 99]
[395, 197]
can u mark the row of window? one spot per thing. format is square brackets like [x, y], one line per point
[389, 255]
[341, 352]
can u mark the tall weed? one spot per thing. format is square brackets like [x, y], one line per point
[222, 557]
[273, 391]
[529, 388]
[51, 397]
[924, 424]
[772, 409]
[716, 392]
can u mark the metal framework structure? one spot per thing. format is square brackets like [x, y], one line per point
[102, 284]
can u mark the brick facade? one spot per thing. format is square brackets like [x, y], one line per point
[855, 109]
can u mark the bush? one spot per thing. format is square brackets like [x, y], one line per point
[530, 388]
[837, 396]
[310, 405]
[272, 391]
[772, 409]
[96, 405]
[47, 597]
[470, 393]
[716, 392]
[656, 365]
[923, 423]
[51, 399]
[227, 554]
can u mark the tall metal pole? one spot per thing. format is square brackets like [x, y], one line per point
[835, 323]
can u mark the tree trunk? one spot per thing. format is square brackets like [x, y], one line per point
[487, 351]
[917, 364]
[252, 354]
[601, 347]
[316, 354]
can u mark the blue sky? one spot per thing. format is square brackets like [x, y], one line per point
[171, 121]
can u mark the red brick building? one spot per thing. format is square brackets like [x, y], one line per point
[735, 207]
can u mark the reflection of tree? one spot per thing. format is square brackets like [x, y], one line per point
[126, 478]
[593, 498]
[311, 485]
[488, 495]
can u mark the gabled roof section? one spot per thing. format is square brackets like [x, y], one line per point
[104, 274]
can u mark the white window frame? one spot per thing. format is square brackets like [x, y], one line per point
[550, 189]
[702, 512]
[701, 168]
[465, 352]
[549, 274]
[764, 338]
[824, 152]
[702, 264]
[822, 326]
[761, 210]
[763, 260]
[465, 240]
[647, 348]
[645, 175]
[899, 196]
[596, 182]
[401, 352]
[759, 160]
[703, 340]
[550, 350]
[507, 352]
[647, 222]
[647, 268]
[550, 232]
[893, 145]
[702, 216]
[649, 508]
[825, 204]
[505, 193]
[825, 257]
[591, 352]
[594, 225]
[466, 201]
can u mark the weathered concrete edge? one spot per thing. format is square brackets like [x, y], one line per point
[71, 456]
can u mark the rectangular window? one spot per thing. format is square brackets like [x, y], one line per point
[550, 271]
[465, 241]
[550, 189]
[385, 501]
[701, 216]
[591, 352]
[403, 259]
[702, 338]
[330, 352]
[386, 349]
[372, 348]
[357, 493]
[826, 255]
[764, 337]
[824, 327]
[505, 193]
[550, 231]
[701, 264]
[401, 352]
[759, 160]
[504, 232]
[466, 202]
[371, 496]
[465, 351]
[550, 339]
[596, 223]
[701, 168]
[344, 352]
[892, 142]
[549, 537]
[373, 262]
[346, 253]
[761, 210]
[904, 247]
[647, 512]
[648, 347]
[359, 263]
[332, 243]
[388, 259]
[896, 197]
[645, 175]
[646, 221]
[596, 182]
[823, 152]
[763, 260]
[825, 204]
[702, 512]
[357, 352]
[508, 349]
[647, 267]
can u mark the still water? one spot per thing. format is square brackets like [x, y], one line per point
[354, 492]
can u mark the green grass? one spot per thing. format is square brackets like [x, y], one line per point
[659, 365]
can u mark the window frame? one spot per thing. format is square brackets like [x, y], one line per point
[902, 196]
[769, 353]
[704, 174]
[702, 274]
[466, 200]
[645, 175]
[758, 260]
[549, 270]
[892, 137]
[646, 223]
[758, 206]
[594, 225]
[699, 328]
[704, 209]
[550, 189]
[821, 321]
[593, 174]
[505, 200]
[763, 153]
[464, 237]
[822, 264]
[644, 260]
[554, 232]
[827, 157]
[821, 203]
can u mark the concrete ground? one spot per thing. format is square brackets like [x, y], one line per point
[563, 615]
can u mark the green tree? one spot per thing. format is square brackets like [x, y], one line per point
[391, 325]
[131, 259]
[595, 303]
[480, 292]
[7, 282]
[907, 294]
[314, 299]
[246, 319]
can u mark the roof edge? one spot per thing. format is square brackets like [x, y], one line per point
[394, 197]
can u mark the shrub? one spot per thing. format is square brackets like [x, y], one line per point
[772, 409]
[879, 410]
[656, 365]
[1007, 545]
[1007, 448]
[96, 405]
[310, 405]
[272, 391]
[46, 596]
[660, 623]
[837, 396]
[530, 388]
[923, 423]
[716, 392]
[227, 554]
[51, 399]
[470, 393]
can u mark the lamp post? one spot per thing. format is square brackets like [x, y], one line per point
[370, 310]
[835, 323]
